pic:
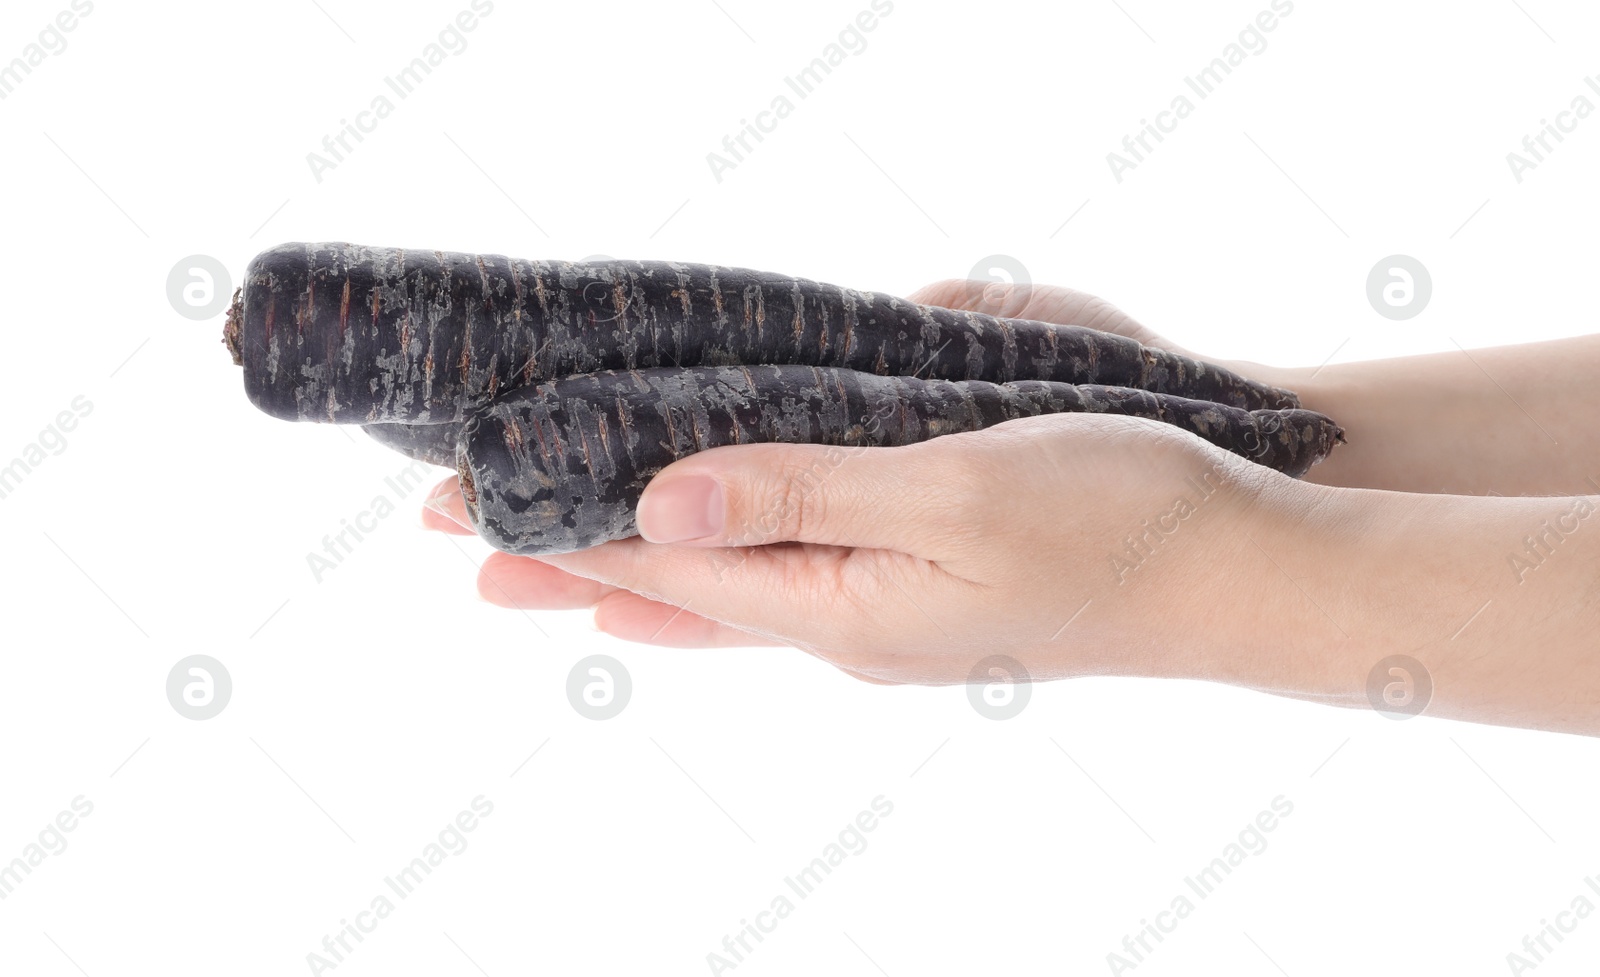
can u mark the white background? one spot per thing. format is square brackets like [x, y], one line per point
[369, 708]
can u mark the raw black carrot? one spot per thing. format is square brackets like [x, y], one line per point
[432, 443]
[351, 334]
[560, 466]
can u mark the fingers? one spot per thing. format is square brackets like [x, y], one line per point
[813, 544]
[1002, 299]
[843, 605]
[510, 581]
[748, 495]
[1043, 303]
[864, 677]
[445, 511]
[529, 583]
[523, 583]
[633, 618]
[806, 544]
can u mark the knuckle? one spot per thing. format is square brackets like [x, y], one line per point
[960, 486]
[780, 500]
[829, 578]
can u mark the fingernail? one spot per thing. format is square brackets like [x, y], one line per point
[996, 293]
[451, 506]
[681, 509]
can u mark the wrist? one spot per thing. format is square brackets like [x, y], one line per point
[1499, 627]
[1232, 610]
[1275, 608]
[1356, 576]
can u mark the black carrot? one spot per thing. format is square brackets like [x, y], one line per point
[352, 334]
[560, 466]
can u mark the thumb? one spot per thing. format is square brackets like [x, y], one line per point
[750, 495]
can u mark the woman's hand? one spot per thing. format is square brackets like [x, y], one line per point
[1074, 543]
[531, 585]
[566, 583]
[1047, 539]
[1082, 544]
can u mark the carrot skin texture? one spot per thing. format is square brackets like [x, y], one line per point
[432, 443]
[349, 334]
[560, 466]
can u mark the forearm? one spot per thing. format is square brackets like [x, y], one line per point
[1511, 420]
[1497, 598]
